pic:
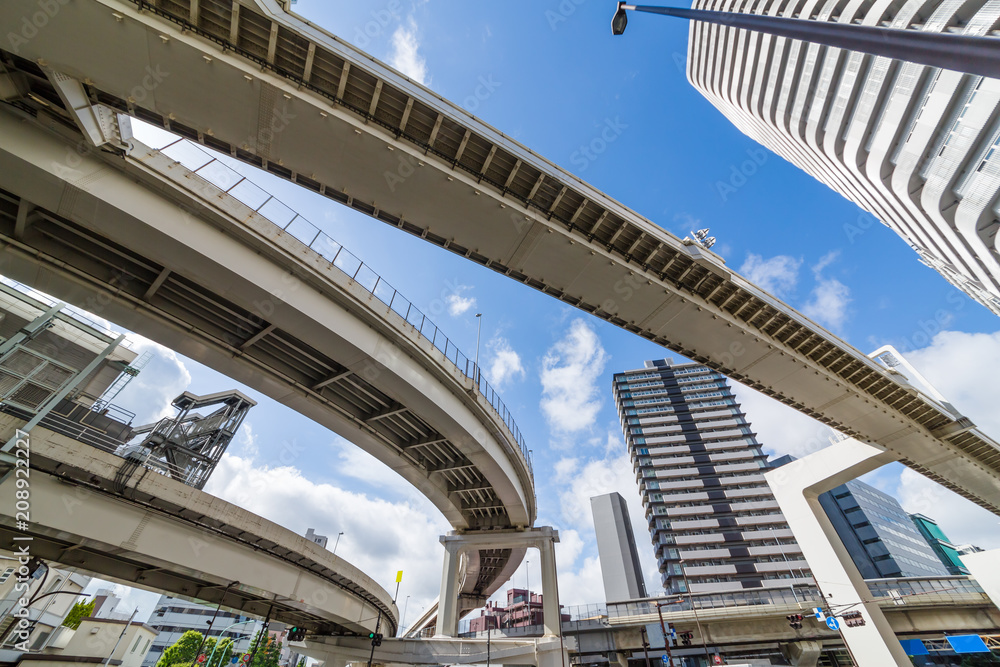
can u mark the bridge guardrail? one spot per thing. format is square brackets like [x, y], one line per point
[217, 173]
[904, 591]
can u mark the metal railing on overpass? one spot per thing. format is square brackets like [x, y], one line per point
[888, 592]
[219, 174]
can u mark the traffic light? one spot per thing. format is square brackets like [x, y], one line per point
[296, 634]
[376, 638]
[794, 621]
[686, 638]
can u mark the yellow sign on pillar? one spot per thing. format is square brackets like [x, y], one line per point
[399, 576]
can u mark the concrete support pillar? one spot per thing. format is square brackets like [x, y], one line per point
[797, 487]
[983, 568]
[803, 653]
[550, 588]
[447, 619]
[456, 544]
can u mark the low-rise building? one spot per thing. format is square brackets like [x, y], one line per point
[524, 609]
[60, 588]
[172, 617]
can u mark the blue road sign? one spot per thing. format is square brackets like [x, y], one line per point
[832, 623]
[665, 658]
[818, 611]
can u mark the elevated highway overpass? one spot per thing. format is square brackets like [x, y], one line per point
[168, 255]
[254, 81]
[155, 532]
[753, 622]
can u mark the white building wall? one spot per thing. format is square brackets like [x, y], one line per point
[917, 147]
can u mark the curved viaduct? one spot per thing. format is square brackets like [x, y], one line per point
[168, 255]
[156, 532]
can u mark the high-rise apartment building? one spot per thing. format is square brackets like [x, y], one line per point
[916, 146]
[712, 517]
[620, 568]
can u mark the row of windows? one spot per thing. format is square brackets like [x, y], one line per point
[195, 611]
[654, 484]
[184, 628]
[734, 447]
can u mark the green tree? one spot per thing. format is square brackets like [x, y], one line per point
[80, 611]
[268, 651]
[183, 651]
[223, 653]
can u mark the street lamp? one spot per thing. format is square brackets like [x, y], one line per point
[479, 333]
[222, 636]
[961, 53]
[620, 20]
[337, 542]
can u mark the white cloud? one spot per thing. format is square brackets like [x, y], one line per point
[963, 367]
[777, 275]
[825, 261]
[405, 55]
[380, 537]
[150, 393]
[579, 481]
[505, 366]
[458, 304]
[570, 370]
[247, 442]
[962, 521]
[828, 303]
[830, 298]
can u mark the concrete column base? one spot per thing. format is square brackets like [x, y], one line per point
[803, 654]
[797, 487]
[983, 568]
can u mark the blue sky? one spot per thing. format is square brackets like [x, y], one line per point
[550, 75]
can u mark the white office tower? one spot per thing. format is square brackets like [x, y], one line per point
[620, 568]
[714, 522]
[918, 147]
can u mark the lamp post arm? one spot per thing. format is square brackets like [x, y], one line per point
[961, 53]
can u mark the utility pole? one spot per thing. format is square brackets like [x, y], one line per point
[204, 637]
[645, 644]
[260, 636]
[666, 638]
[704, 640]
[124, 630]
[337, 542]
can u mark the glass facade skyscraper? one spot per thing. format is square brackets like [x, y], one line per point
[714, 522]
[878, 533]
[946, 552]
